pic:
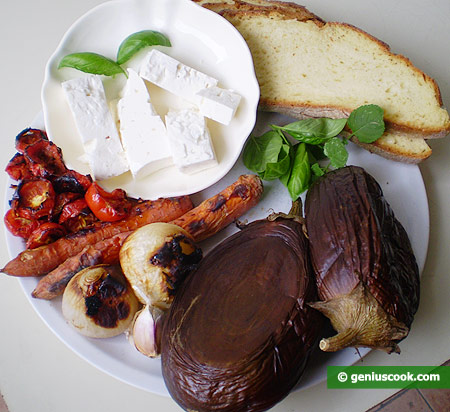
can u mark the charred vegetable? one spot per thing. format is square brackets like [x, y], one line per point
[239, 332]
[367, 275]
[99, 302]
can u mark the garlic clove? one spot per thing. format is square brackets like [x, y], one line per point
[99, 302]
[145, 331]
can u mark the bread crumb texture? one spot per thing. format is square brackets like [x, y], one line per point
[301, 63]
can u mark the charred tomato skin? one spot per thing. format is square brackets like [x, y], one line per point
[239, 332]
[107, 206]
[46, 233]
[34, 198]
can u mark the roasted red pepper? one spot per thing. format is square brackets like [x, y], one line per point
[107, 206]
[46, 233]
[19, 226]
[34, 199]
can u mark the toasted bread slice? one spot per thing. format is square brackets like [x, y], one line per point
[309, 68]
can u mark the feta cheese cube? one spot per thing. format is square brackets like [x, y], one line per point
[96, 127]
[144, 135]
[173, 76]
[190, 141]
[218, 104]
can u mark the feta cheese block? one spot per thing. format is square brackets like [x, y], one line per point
[96, 127]
[143, 132]
[218, 104]
[190, 141]
[173, 76]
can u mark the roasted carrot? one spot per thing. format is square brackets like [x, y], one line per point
[39, 261]
[214, 214]
[208, 218]
[106, 252]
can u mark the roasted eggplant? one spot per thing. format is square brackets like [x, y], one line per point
[366, 273]
[239, 332]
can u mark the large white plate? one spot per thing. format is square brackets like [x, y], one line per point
[403, 188]
[200, 39]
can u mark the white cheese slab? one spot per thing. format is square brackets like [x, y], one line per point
[174, 76]
[96, 127]
[190, 141]
[143, 132]
[218, 104]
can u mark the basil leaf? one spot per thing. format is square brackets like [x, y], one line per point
[301, 173]
[335, 150]
[91, 63]
[275, 170]
[137, 41]
[285, 178]
[315, 131]
[366, 123]
[317, 170]
[262, 150]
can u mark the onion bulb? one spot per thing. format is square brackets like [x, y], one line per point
[155, 259]
[99, 302]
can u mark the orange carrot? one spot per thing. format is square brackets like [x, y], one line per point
[39, 261]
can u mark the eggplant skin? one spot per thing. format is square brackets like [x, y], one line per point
[355, 237]
[239, 332]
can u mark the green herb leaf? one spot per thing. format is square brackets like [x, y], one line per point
[281, 167]
[262, 150]
[300, 177]
[137, 41]
[91, 63]
[366, 123]
[315, 131]
[335, 150]
[317, 170]
[285, 178]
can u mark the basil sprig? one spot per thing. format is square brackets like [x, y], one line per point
[91, 63]
[137, 41]
[97, 64]
[273, 156]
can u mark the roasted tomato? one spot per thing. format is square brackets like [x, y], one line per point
[107, 206]
[72, 181]
[27, 137]
[63, 199]
[19, 226]
[76, 215]
[17, 168]
[81, 221]
[34, 199]
[73, 209]
[46, 233]
[45, 159]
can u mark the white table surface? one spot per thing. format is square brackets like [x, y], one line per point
[39, 373]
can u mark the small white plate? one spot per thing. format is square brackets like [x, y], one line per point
[402, 186]
[200, 39]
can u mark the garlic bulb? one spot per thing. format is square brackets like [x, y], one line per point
[99, 302]
[145, 331]
[155, 259]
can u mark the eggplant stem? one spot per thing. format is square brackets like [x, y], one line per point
[339, 341]
[360, 321]
[296, 213]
